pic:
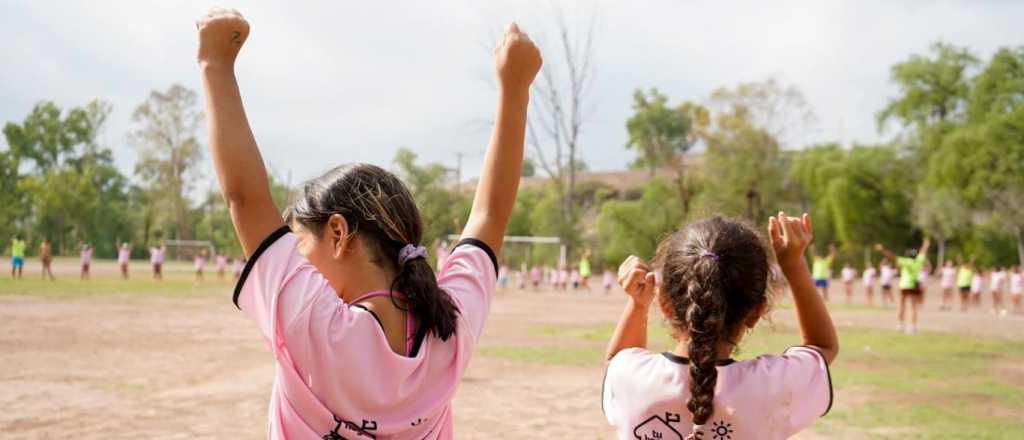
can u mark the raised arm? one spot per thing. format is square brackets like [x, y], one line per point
[638, 281]
[517, 61]
[790, 237]
[240, 170]
[886, 252]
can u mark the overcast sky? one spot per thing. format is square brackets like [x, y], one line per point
[354, 81]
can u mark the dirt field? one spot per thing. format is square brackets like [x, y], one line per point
[188, 365]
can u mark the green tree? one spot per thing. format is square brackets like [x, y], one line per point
[637, 226]
[169, 152]
[932, 90]
[444, 211]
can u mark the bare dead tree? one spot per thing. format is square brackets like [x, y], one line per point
[558, 110]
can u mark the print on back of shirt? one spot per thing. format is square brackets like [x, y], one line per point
[658, 428]
[360, 430]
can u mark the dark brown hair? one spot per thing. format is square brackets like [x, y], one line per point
[382, 213]
[715, 272]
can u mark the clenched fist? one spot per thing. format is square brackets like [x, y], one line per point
[516, 59]
[221, 34]
[638, 280]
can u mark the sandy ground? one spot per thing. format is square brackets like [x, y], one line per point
[191, 366]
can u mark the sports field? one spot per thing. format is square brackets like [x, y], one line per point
[137, 359]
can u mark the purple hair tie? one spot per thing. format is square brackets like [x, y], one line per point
[411, 252]
[710, 255]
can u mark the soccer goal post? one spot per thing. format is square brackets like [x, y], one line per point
[185, 249]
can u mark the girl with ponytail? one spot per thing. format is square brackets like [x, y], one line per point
[368, 342]
[713, 281]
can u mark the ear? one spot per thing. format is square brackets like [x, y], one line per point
[337, 233]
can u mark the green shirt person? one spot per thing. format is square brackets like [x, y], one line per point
[964, 277]
[17, 256]
[910, 266]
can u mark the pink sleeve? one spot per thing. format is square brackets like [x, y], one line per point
[278, 284]
[470, 276]
[621, 367]
[809, 385]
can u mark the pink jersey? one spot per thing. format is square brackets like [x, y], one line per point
[849, 274]
[608, 279]
[123, 255]
[237, 266]
[948, 278]
[222, 262]
[869, 276]
[769, 397]
[336, 375]
[199, 263]
[156, 255]
[86, 256]
[997, 280]
[1017, 283]
[886, 274]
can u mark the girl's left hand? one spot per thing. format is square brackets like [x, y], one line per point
[637, 279]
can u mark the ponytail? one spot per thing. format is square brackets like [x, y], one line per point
[432, 307]
[706, 318]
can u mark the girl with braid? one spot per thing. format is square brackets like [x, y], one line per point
[369, 343]
[712, 281]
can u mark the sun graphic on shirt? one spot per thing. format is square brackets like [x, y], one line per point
[722, 430]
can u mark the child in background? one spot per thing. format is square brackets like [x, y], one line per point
[503, 277]
[997, 285]
[607, 280]
[17, 257]
[536, 276]
[46, 257]
[85, 257]
[965, 282]
[886, 274]
[947, 282]
[869, 283]
[585, 271]
[199, 264]
[238, 263]
[1017, 289]
[575, 278]
[977, 286]
[156, 259]
[124, 255]
[849, 274]
[222, 266]
[911, 265]
[367, 342]
[822, 271]
[711, 280]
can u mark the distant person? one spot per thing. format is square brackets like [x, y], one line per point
[822, 268]
[715, 287]
[585, 271]
[85, 258]
[849, 275]
[199, 264]
[222, 266]
[885, 277]
[910, 284]
[156, 259]
[1017, 289]
[947, 282]
[965, 283]
[868, 279]
[997, 285]
[607, 280]
[536, 277]
[575, 279]
[977, 287]
[503, 277]
[17, 257]
[124, 255]
[46, 258]
[238, 266]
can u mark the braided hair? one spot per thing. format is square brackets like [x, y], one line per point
[715, 273]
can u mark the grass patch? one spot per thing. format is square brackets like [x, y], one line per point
[174, 284]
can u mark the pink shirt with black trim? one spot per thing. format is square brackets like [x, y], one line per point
[770, 397]
[336, 375]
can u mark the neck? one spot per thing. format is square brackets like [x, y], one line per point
[370, 278]
[682, 349]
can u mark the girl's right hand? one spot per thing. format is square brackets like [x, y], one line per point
[517, 59]
[637, 279]
[221, 35]
[790, 237]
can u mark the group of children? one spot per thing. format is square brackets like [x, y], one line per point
[157, 256]
[913, 275]
[371, 343]
[575, 278]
